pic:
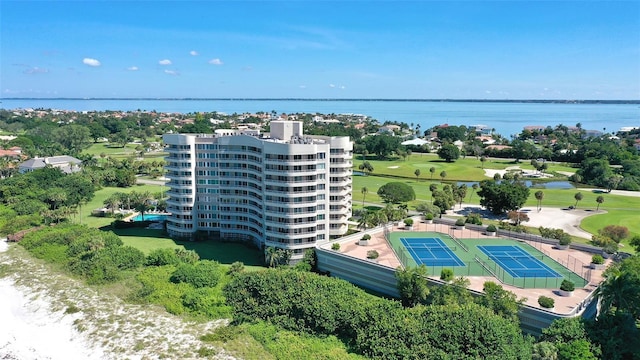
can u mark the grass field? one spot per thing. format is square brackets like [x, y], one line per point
[469, 169]
[117, 152]
[98, 202]
[223, 252]
[488, 267]
[619, 209]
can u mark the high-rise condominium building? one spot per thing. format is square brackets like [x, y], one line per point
[282, 189]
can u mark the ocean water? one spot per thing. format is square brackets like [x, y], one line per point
[507, 118]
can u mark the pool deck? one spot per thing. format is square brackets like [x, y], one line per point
[563, 305]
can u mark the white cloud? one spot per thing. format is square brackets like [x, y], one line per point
[91, 62]
[165, 62]
[332, 85]
[342, 87]
[171, 72]
[132, 68]
[35, 70]
[302, 86]
[215, 61]
[193, 53]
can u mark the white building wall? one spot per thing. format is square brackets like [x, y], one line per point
[272, 193]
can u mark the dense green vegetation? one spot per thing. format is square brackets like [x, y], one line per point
[372, 326]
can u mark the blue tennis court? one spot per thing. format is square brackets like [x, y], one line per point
[517, 262]
[431, 252]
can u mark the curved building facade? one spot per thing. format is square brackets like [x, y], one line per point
[281, 189]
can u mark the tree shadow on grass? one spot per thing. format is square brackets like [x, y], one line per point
[224, 252]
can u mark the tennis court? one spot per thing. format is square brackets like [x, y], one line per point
[431, 252]
[517, 262]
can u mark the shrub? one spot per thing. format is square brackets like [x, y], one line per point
[491, 228]
[428, 216]
[567, 285]
[335, 246]
[564, 240]
[203, 273]
[460, 222]
[187, 256]
[366, 237]
[236, 268]
[446, 275]
[610, 248]
[615, 232]
[408, 222]
[597, 259]
[546, 302]
[474, 218]
[372, 254]
[161, 257]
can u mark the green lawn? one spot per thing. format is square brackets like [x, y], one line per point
[117, 152]
[98, 202]
[627, 218]
[620, 210]
[224, 252]
[469, 169]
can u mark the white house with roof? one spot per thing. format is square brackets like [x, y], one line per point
[67, 164]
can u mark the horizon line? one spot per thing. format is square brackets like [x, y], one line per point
[618, 101]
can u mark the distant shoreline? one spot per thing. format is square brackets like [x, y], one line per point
[523, 101]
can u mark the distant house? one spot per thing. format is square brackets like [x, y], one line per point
[482, 130]
[487, 140]
[389, 129]
[67, 164]
[535, 127]
[415, 142]
[592, 133]
[14, 153]
[498, 147]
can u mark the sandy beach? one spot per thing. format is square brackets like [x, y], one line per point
[51, 316]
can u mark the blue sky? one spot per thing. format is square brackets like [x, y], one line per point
[321, 49]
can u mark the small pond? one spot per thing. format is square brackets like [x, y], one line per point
[533, 184]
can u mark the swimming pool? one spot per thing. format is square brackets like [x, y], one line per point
[150, 217]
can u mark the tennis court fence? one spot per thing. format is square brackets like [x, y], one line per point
[488, 267]
[460, 243]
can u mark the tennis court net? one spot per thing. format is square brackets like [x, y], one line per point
[515, 257]
[432, 248]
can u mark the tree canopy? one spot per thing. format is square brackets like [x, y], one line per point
[396, 192]
[502, 197]
[449, 152]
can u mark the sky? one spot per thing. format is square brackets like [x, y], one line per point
[321, 49]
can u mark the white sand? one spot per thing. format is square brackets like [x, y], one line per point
[33, 323]
[567, 220]
[31, 330]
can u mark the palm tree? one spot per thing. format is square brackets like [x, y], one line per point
[539, 196]
[271, 255]
[141, 202]
[475, 188]
[432, 170]
[482, 161]
[578, 197]
[417, 173]
[365, 220]
[364, 192]
[443, 175]
[616, 291]
[599, 200]
[112, 202]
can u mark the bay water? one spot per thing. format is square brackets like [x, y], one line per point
[507, 118]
